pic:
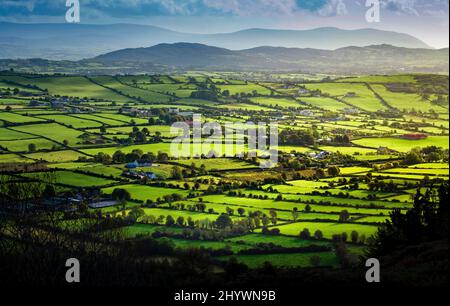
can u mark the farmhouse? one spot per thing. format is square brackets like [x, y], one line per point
[303, 91]
[137, 164]
[417, 136]
[306, 113]
[103, 204]
[140, 175]
[351, 111]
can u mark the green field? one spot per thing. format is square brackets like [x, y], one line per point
[16, 118]
[144, 193]
[52, 131]
[328, 229]
[403, 145]
[74, 179]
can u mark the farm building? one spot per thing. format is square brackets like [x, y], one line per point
[417, 136]
[140, 175]
[137, 164]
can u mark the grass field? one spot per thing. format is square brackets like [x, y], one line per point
[403, 145]
[406, 101]
[74, 179]
[16, 118]
[217, 164]
[73, 87]
[56, 156]
[52, 131]
[247, 89]
[362, 97]
[74, 122]
[144, 193]
[276, 102]
[131, 92]
[325, 103]
[287, 260]
[328, 229]
[13, 158]
[22, 145]
[7, 134]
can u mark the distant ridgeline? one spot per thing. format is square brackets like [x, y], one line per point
[166, 58]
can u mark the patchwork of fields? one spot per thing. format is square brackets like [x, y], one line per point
[350, 151]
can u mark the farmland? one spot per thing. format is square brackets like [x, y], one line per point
[345, 160]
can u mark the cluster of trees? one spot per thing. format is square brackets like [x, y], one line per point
[120, 157]
[138, 136]
[427, 154]
[296, 138]
[377, 185]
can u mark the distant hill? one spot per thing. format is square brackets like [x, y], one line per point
[78, 41]
[370, 59]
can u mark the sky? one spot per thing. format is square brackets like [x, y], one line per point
[427, 20]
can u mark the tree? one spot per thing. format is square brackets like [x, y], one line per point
[65, 142]
[273, 216]
[412, 158]
[121, 195]
[31, 147]
[333, 171]
[295, 214]
[265, 221]
[354, 236]
[170, 221]
[223, 221]
[305, 234]
[177, 174]
[344, 216]
[241, 211]
[180, 221]
[135, 214]
[49, 192]
[118, 157]
[318, 234]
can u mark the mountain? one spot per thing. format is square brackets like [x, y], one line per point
[370, 59]
[78, 41]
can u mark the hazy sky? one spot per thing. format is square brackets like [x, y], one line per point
[425, 19]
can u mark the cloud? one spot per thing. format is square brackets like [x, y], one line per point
[334, 8]
[253, 7]
[415, 7]
[131, 8]
[248, 8]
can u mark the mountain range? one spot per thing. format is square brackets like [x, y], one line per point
[81, 41]
[370, 59]
[191, 56]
